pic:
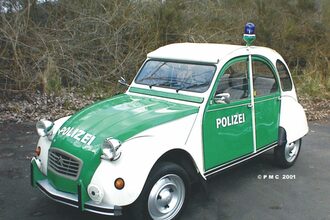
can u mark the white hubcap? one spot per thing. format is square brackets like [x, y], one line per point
[166, 197]
[291, 151]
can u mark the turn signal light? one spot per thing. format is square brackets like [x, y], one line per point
[38, 151]
[119, 183]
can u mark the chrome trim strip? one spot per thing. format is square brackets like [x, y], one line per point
[72, 200]
[238, 161]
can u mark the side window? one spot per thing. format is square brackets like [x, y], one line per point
[285, 79]
[264, 82]
[235, 81]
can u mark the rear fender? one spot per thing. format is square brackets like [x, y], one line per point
[293, 119]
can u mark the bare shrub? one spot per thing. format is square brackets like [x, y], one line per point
[89, 44]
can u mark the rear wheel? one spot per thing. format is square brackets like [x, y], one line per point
[286, 156]
[165, 193]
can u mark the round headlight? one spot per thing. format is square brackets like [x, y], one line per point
[44, 127]
[109, 149]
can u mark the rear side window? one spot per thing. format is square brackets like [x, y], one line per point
[285, 79]
[264, 82]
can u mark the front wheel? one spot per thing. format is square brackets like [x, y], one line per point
[286, 156]
[165, 193]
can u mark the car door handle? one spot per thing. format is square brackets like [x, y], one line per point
[249, 105]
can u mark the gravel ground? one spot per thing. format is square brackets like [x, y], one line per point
[32, 107]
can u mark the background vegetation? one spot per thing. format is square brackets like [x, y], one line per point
[88, 44]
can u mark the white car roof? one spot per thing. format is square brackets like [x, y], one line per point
[201, 52]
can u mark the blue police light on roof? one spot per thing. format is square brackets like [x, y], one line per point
[249, 35]
[249, 28]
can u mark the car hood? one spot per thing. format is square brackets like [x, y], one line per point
[120, 117]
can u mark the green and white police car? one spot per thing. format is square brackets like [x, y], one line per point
[192, 111]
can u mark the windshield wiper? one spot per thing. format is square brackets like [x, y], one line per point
[192, 86]
[159, 84]
[154, 84]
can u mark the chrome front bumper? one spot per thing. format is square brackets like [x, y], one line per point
[70, 199]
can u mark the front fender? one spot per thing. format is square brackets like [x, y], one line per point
[139, 154]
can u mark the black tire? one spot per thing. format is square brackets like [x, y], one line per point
[168, 180]
[286, 155]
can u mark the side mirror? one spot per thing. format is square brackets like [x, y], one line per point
[222, 98]
[122, 81]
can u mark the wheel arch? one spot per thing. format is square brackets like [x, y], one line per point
[282, 140]
[183, 159]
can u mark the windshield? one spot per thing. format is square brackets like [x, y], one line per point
[178, 76]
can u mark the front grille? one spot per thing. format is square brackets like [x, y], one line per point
[64, 164]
